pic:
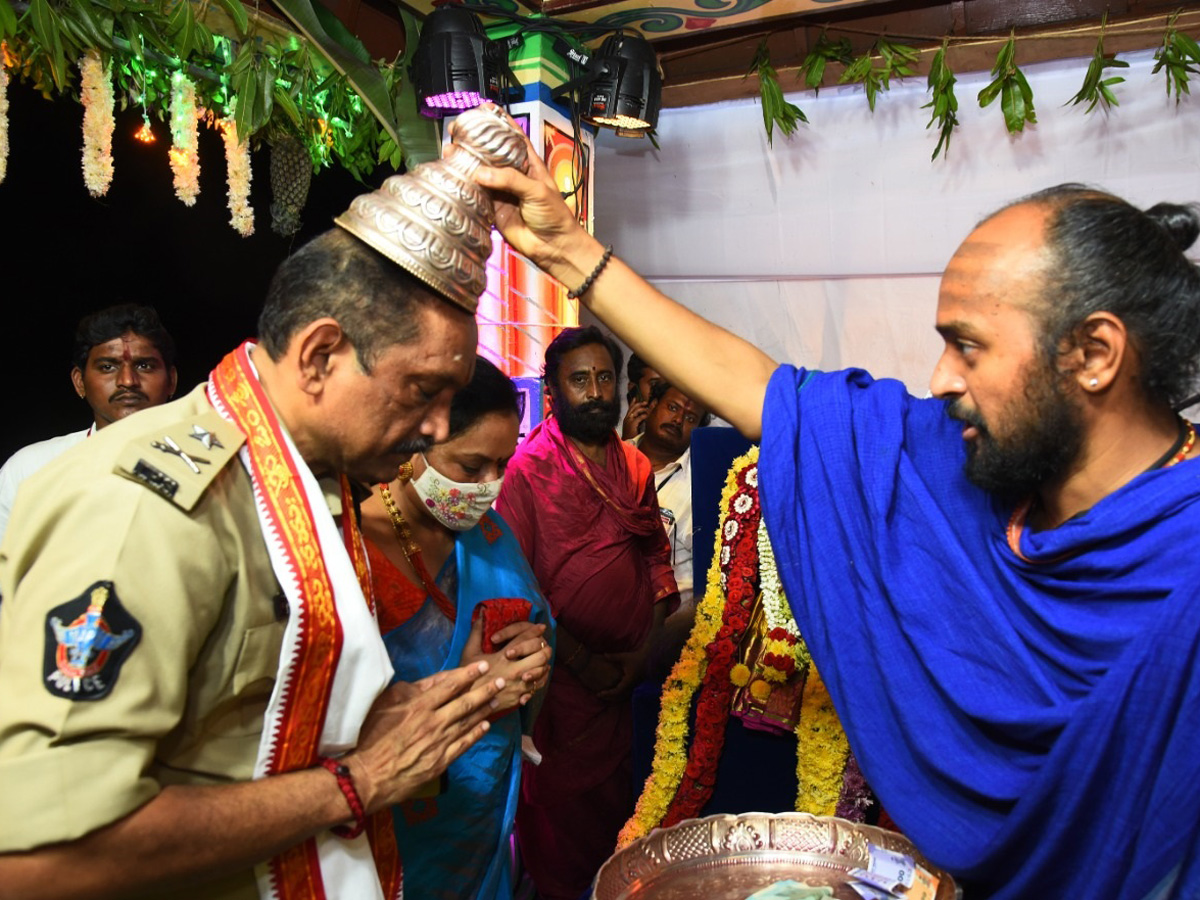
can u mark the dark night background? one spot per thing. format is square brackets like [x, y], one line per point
[64, 253]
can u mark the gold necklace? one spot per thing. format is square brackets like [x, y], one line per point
[412, 552]
[403, 532]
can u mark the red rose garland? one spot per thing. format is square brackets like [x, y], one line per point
[739, 574]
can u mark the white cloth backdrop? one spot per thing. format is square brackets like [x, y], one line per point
[826, 249]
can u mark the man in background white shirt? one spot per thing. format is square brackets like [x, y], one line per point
[124, 361]
[666, 442]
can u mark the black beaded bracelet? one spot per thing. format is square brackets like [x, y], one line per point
[587, 282]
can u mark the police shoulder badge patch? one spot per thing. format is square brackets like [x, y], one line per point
[88, 639]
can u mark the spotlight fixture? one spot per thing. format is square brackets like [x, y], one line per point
[627, 89]
[456, 66]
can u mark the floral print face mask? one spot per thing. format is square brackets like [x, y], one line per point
[456, 505]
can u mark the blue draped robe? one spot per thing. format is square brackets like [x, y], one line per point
[1034, 727]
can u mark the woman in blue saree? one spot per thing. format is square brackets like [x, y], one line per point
[435, 518]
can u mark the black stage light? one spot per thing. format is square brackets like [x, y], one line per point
[627, 90]
[456, 65]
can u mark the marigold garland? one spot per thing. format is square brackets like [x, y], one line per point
[185, 139]
[96, 93]
[821, 750]
[237, 177]
[670, 747]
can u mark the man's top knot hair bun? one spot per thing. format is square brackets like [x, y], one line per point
[1182, 223]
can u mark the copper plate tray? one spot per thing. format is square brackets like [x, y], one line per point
[730, 857]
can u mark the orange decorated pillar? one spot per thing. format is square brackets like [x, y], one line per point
[523, 309]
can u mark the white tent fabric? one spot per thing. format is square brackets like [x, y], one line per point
[825, 250]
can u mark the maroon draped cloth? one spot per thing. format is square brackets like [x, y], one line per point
[595, 540]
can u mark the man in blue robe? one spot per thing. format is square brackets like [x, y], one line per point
[998, 584]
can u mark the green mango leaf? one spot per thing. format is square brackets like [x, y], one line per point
[285, 102]
[940, 83]
[1009, 83]
[1175, 56]
[1013, 106]
[46, 27]
[367, 82]
[776, 109]
[264, 96]
[824, 51]
[205, 43]
[990, 93]
[1188, 47]
[133, 34]
[74, 40]
[8, 20]
[237, 12]
[857, 70]
[339, 32]
[182, 28]
[245, 86]
[98, 29]
[1095, 89]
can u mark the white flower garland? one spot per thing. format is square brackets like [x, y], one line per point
[237, 176]
[185, 156]
[3, 115]
[98, 123]
[775, 605]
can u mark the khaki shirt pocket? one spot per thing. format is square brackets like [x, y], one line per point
[258, 658]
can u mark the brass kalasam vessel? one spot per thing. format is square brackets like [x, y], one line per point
[729, 857]
[435, 221]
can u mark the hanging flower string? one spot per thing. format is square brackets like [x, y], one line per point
[3, 110]
[237, 177]
[184, 153]
[96, 92]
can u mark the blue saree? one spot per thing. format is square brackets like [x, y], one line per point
[456, 845]
[1033, 725]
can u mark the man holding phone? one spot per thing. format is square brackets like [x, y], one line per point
[642, 380]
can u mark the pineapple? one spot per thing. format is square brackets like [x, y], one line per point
[291, 174]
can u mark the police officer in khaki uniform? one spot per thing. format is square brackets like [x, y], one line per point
[128, 770]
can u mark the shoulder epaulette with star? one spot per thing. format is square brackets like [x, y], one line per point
[181, 460]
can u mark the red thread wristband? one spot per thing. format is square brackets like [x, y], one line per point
[346, 784]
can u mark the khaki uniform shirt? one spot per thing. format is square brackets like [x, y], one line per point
[192, 625]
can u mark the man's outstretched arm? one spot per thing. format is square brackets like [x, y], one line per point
[728, 374]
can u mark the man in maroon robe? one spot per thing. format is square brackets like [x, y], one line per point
[582, 504]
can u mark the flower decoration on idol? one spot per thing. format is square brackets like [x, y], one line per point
[96, 93]
[237, 178]
[3, 110]
[709, 672]
[784, 653]
[185, 156]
